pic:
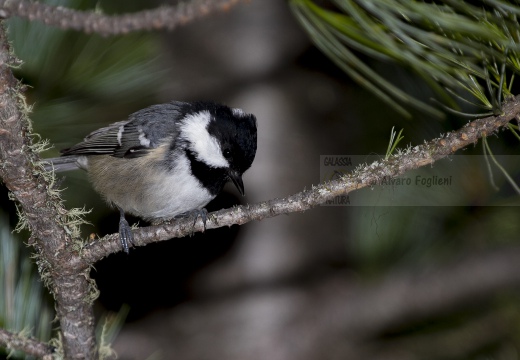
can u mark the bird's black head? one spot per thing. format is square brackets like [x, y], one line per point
[222, 143]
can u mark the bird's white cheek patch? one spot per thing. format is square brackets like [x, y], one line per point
[205, 146]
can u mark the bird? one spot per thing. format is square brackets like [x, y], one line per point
[166, 160]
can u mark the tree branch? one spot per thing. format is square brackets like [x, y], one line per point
[44, 215]
[28, 345]
[164, 17]
[370, 175]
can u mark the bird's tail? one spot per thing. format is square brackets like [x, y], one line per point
[63, 163]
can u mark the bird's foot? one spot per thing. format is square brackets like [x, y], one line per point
[203, 213]
[125, 232]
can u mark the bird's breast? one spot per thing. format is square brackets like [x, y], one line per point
[144, 188]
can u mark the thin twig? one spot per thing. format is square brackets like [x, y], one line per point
[28, 345]
[370, 175]
[163, 17]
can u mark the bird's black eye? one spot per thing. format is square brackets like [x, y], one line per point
[227, 153]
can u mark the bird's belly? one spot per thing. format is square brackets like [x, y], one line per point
[168, 198]
[151, 195]
[175, 199]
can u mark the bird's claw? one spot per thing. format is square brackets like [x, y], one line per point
[203, 213]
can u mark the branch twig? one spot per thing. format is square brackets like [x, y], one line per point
[28, 345]
[164, 17]
[370, 175]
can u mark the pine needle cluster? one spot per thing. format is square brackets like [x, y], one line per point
[466, 52]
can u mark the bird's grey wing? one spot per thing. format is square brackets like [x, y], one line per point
[145, 130]
[119, 139]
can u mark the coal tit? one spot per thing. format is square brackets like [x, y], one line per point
[165, 160]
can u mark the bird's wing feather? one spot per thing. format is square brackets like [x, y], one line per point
[121, 139]
[145, 130]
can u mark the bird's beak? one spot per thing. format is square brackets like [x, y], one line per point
[237, 180]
